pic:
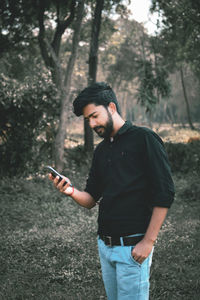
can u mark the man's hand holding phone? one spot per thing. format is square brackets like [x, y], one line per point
[64, 185]
[61, 182]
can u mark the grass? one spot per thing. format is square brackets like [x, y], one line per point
[175, 273]
[48, 243]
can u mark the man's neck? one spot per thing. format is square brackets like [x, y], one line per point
[118, 123]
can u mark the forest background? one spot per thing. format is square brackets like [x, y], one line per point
[49, 51]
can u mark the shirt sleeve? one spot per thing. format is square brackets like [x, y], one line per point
[159, 172]
[93, 186]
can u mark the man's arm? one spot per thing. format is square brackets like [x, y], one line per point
[143, 248]
[82, 198]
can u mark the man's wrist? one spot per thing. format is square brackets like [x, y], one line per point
[69, 190]
[150, 240]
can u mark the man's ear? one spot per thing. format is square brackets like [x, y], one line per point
[112, 107]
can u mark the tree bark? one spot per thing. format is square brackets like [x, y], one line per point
[61, 133]
[50, 51]
[186, 99]
[93, 63]
[61, 26]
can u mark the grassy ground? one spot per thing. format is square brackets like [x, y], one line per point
[48, 243]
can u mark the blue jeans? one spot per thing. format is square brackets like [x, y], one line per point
[123, 277]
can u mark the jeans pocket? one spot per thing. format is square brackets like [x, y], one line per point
[132, 258]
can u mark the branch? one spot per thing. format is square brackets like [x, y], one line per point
[41, 35]
[55, 60]
[93, 54]
[75, 41]
[69, 20]
[62, 26]
[58, 12]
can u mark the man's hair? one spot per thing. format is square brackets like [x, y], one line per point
[98, 93]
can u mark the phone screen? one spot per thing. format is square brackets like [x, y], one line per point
[54, 173]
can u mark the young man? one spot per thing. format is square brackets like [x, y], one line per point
[130, 177]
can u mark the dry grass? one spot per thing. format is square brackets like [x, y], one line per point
[177, 134]
[169, 133]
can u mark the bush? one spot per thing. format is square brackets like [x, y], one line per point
[184, 157]
[25, 110]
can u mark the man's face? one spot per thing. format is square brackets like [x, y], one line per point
[99, 119]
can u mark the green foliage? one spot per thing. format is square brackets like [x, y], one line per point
[133, 59]
[184, 157]
[26, 110]
[116, 6]
[18, 19]
[180, 31]
[153, 83]
[125, 52]
[147, 84]
[79, 156]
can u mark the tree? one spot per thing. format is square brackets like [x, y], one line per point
[17, 24]
[43, 13]
[26, 109]
[93, 55]
[186, 99]
[18, 43]
[64, 16]
[179, 38]
[60, 137]
[93, 62]
[181, 24]
[51, 21]
[136, 64]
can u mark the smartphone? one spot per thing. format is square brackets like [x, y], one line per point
[54, 173]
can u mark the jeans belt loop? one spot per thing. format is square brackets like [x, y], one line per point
[110, 240]
[122, 241]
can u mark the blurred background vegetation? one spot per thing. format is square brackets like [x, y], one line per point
[50, 50]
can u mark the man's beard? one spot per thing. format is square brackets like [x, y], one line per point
[106, 130]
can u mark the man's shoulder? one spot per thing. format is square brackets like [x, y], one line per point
[143, 135]
[139, 130]
[146, 132]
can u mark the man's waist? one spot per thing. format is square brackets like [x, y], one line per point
[130, 240]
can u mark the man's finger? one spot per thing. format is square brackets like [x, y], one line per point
[55, 181]
[51, 177]
[62, 185]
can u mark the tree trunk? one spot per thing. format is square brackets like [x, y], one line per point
[93, 62]
[186, 100]
[50, 51]
[61, 134]
[124, 105]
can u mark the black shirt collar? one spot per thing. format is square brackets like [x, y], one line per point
[127, 125]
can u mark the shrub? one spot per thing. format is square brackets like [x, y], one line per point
[25, 110]
[184, 157]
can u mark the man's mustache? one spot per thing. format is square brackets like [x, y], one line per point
[97, 128]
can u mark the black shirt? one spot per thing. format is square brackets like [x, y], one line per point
[131, 175]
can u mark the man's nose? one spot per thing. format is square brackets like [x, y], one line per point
[92, 123]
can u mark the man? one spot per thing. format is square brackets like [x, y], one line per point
[130, 177]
